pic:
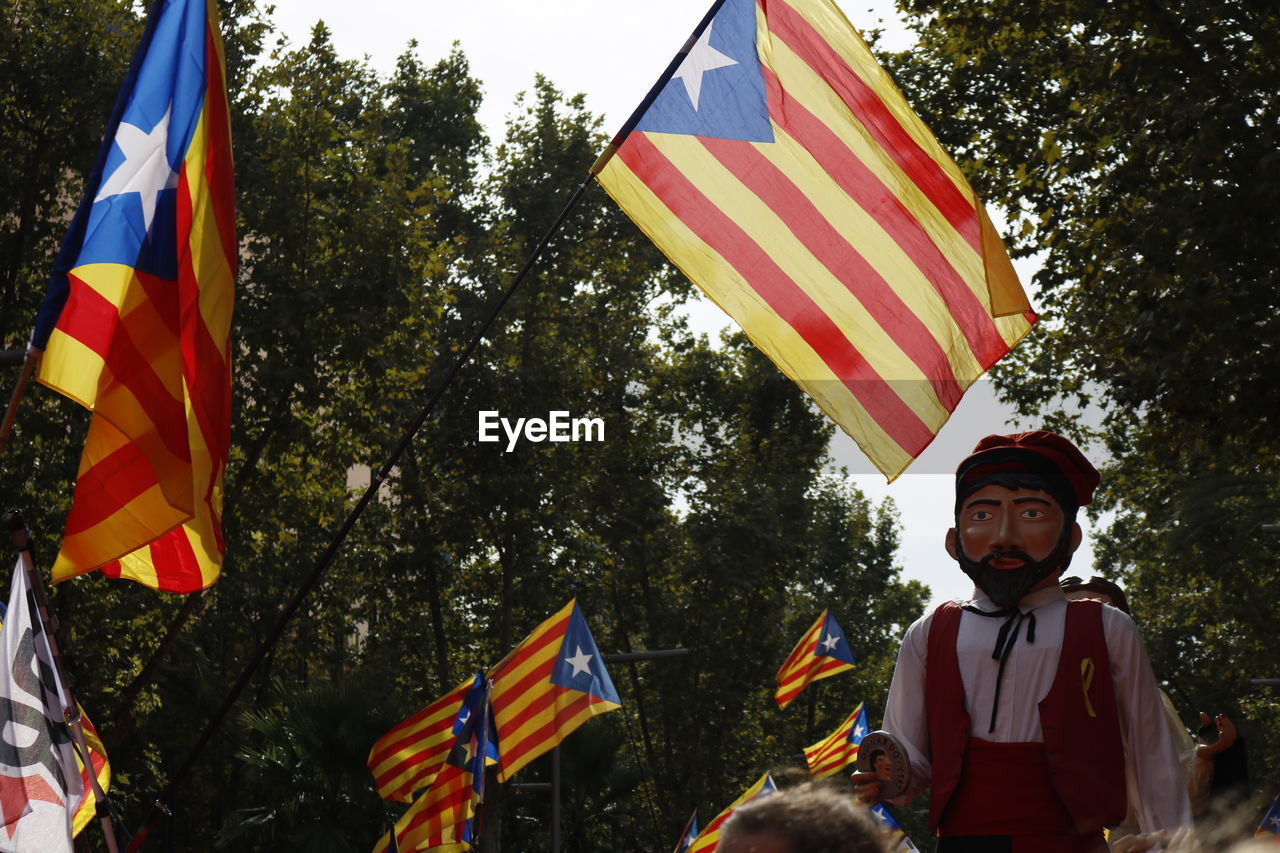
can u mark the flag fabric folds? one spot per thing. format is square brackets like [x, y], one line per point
[895, 835]
[840, 748]
[101, 768]
[406, 759]
[551, 683]
[822, 651]
[709, 839]
[441, 819]
[40, 786]
[689, 834]
[783, 172]
[136, 322]
[1269, 827]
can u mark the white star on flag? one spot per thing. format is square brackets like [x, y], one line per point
[830, 642]
[145, 170]
[579, 662]
[858, 731]
[701, 59]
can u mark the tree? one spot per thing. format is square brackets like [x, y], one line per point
[1132, 147]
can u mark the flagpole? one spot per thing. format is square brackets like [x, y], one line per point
[30, 360]
[322, 564]
[655, 90]
[21, 538]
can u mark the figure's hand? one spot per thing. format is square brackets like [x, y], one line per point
[1226, 735]
[867, 788]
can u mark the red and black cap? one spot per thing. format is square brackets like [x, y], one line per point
[1067, 474]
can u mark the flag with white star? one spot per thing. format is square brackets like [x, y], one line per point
[783, 172]
[689, 835]
[1269, 827]
[709, 839]
[823, 651]
[839, 749]
[551, 683]
[136, 322]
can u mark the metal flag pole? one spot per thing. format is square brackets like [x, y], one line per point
[21, 538]
[326, 558]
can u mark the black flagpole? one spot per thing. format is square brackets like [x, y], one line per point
[322, 564]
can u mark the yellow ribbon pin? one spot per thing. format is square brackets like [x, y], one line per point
[1086, 680]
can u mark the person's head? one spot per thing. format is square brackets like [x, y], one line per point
[809, 818]
[1096, 587]
[881, 764]
[1016, 503]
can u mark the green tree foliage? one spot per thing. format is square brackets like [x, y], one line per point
[1133, 146]
[377, 227]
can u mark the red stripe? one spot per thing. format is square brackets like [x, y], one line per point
[545, 735]
[846, 265]
[449, 794]
[219, 170]
[876, 117]
[82, 320]
[504, 687]
[718, 230]
[112, 482]
[175, 564]
[882, 204]
[435, 730]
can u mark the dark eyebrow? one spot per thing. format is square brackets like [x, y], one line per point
[982, 502]
[1031, 500]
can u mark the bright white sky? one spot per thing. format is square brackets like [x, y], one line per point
[613, 52]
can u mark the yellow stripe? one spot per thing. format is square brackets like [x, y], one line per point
[806, 87]
[828, 20]
[773, 335]
[211, 266]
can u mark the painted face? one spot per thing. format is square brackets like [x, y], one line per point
[883, 767]
[1011, 541]
[999, 523]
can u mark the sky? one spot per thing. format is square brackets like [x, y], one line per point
[613, 52]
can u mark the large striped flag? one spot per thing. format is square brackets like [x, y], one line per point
[406, 759]
[441, 819]
[709, 839]
[822, 651]
[840, 748]
[136, 322]
[550, 684]
[784, 173]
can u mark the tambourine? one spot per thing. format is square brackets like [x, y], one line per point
[884, 755]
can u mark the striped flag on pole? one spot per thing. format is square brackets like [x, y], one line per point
[784, 173]
[136, 323]
[406, 759]
[709, 839]
[840, 748]
[823, 651]
[550, 684]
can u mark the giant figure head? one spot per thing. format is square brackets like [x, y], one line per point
[1016, 502]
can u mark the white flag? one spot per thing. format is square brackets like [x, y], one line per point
[40, 785]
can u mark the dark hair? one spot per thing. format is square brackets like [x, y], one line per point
[815, 818]
[1099, 585]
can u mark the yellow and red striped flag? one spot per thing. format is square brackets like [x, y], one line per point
[88, 808]
[439, 820]
[709, 839]
[136, 323]
[822, 651]
[840, 748]
[784, 173]
[406, 759]
[550, 684]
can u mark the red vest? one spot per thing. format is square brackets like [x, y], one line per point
[1082, 752]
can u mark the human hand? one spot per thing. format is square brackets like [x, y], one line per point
[867, 788]
[1226, 735]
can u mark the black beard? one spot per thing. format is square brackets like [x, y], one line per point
[1006, 587]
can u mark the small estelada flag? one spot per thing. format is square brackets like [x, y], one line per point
[689, 835]
[840, 748]
[822, 651]
[709, 839]
[1269, 827]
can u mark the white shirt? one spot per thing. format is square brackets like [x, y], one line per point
[1154, 778]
